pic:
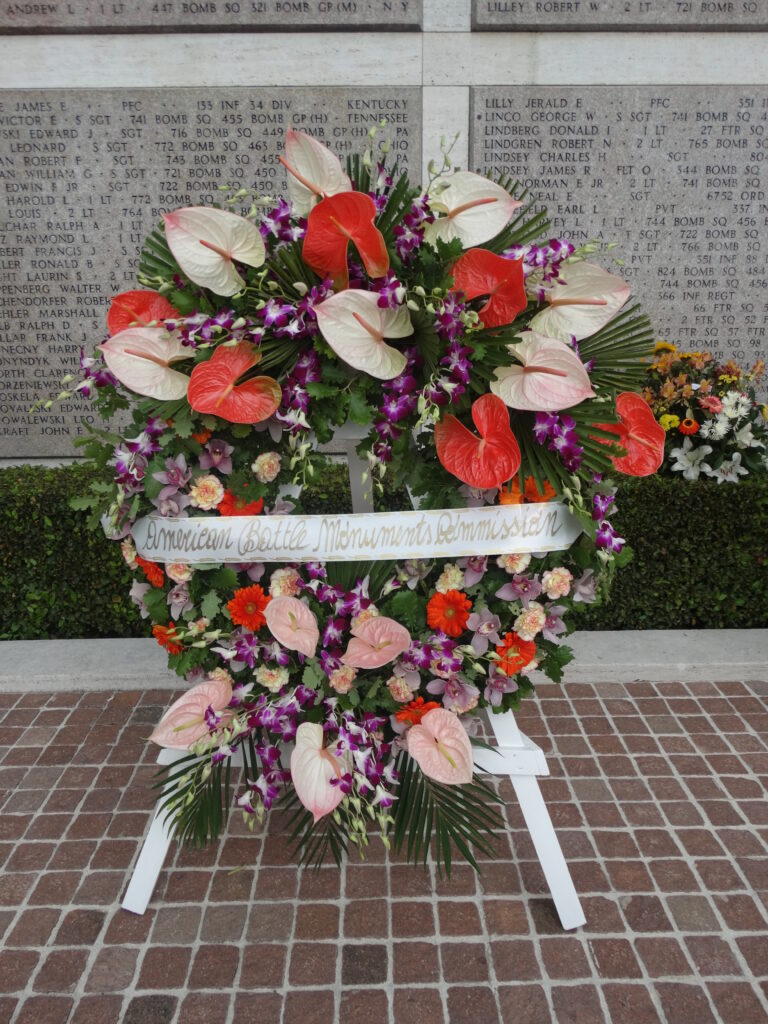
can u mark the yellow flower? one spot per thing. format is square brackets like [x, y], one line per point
[664, 346]
[669, 422]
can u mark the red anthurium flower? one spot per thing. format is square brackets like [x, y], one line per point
[213, 386]
[138, 308]
[332, 225]
[481, 272]
[486, 461]
[639, 434]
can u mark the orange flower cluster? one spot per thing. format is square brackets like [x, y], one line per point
[514, 653]
[415, 711]
[449, 612]
[230, 505]
[152, 571]
[165, 636]
[247, 607]
[511, 495]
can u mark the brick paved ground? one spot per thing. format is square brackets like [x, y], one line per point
[658, 795]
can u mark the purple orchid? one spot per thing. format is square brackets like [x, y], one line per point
[608, 539]
[521, 588]
[585, 587]
[497, 684]
[178, 599]
[217, 455]
[176, 473]
[457, 692]
[485, 627]
[474, 569]
[554, 625]
[171, 503]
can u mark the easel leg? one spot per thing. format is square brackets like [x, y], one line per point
[548, 851]
[152, 856]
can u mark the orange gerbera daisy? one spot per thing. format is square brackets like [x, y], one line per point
[202, 436]
[532, 492]
[165, 636]
[247, 607]
[688, 426]
[514, 653]
[230, 505]
[152, 571]
[449, 612]
[415, 711]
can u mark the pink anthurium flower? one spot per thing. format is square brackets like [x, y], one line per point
[141, 357]
[205, 242]
[313, 171]
[186, 720]
[312, 768]
[376, 642]
[292, 624]
[355, 327]
[469, 207]
[440, 747]
[549, 377]
[586, 299]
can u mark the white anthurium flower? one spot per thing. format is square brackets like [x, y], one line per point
[469, 207]
[313, 171]
[690, 460]
[586, 299]
[548, 376]
[729, 470]
[746, 439]
[205, 243]
[355, 327]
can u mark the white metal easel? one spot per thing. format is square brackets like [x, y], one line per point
[516, 757]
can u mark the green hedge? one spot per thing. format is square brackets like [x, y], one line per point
[701, 557]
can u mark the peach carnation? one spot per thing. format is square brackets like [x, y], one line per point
[530, 622]
[451, 578]
[206, 492]
[364, 616]
[266, 467]
[274, 679]
[179, 572]
[514, 563]
[220, 675]
[284, 583]
[556, 582]
[399, 689]
[341, 679]
[129, 553]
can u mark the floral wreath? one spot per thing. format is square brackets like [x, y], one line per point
[489, 368]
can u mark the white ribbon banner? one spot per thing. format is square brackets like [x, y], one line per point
[370, 536]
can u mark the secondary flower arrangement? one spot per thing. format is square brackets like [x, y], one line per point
[714, 424]
[489, 369]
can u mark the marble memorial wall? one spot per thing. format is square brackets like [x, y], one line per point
[675, 175]
[197, 15]
[624, 117]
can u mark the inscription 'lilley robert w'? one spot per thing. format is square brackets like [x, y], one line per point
[373, 536]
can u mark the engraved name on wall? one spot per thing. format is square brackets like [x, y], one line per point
[86, 174]
[622, 15]
[676, 175]
[198, 15]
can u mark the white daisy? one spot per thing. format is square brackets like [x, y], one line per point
[715, 429]
[690, 460]
[736, 405]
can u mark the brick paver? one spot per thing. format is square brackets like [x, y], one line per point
[658, 793]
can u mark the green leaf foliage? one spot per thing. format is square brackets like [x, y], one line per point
[429, 816]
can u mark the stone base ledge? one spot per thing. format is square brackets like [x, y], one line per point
[653, 656]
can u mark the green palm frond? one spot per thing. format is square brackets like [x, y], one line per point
[156, 259]
[429, 815]
[528, 223]
[398, 204]
[618, 350]
[313, 841]
[346, 574]
[195, 798]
